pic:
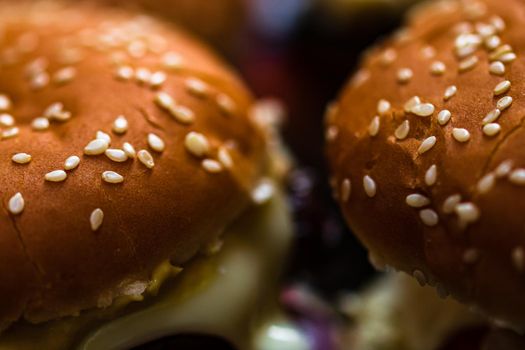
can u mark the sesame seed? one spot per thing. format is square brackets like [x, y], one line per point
[346, 189]
[142, 75]
[263, 191]
[502, 88]
[64, 75]
[411, 103]
[517, 177]
[39, 81]
[40, 124]
[5, 102]
[197, 87]
[226, 104]
[491, 129]
[423, 109]
[383, 106]
[508, 57]
[373, 128]
[211, 166]
[56, 176]
[492, 42]
[468, 63]
[112, 177]
[157, 79]
[96, 147]
[417, 200]
[10, 133]
[427, 144]
[504, 103]
[450, 92]
[460, 134]
[103, 136]
[404, 75]
[156, 143]
[120, 125]
[518, 258]
[466, 44]
[182, 114]
[485, 30]
[444, 117]
[497, 68]
[498, 23]
[96, 218]
[428, 52]
[467, 213]
[420, 277]
[492, 116]
[16, 204]
[437, 68]
[504, 168]
[370, 186]
[146, 158]
[429, 217]
[224, 157]
[402, 130]
[116, 155]
[431, 175]
[486, 183]
[164, 100]
[21, 158]
[388, 56]
[450, 203]
[172, 61]
[71, 162]
[500, 51]
[6, 120]
[56, 112]
[197, 144]
[125, 73]
[129, 149]
[471, 256]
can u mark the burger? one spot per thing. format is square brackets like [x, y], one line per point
[425, 145]
[141, 187]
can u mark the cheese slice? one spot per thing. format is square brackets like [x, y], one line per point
[231, 295]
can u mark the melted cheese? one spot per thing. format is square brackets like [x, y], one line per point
[229, 295]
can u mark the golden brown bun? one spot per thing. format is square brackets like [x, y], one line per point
[52, 263]
[475, 250]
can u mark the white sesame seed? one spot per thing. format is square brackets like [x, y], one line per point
[402, 130]
[224, 157]
[5, 102]
[346, 190]
[164, 100]
[420, 277]
[498, 23]
[486, 183]
[423, 109]
[143, 75]
[370, 186]
[96, 218]
[504, 168]
[428, 52]
[197, 144]
[211, 166]
[21, 158]
[16, 204]
[71, 162]
[450, 92]
[40, 124]
[518, 258]
[471, 256]
[500, 51]
[383, 106]
[112, 177]
[6, 120]
[417, 200]
[497, 68]
[96, 147]
[10, 133]
[64, 75]
[504, 103]
[485, 30]
[467, 213]
[468, 63]
[492, 116]
[492, 42]
[146, 158]
[129, 149]
[411, 103]
[517, 177]
[116, 155]
[226, 104]
[125, 73]
[172, 61]
[103, 136]
[444, 117]
[157, 79]
[263, 191]
[120, 125]
[429, 217]
[460, 134]
[491, 129]
[39, 81]
[507, 57]
[182, 114]
[431, 175]
[388, 56]
[156, 143]
[449, 205]
[502, 88]
[56, 112]
[197, 87]
[466, 43]
[427, 144]
[373, 128]
[437, 68]
[404, 75]
[56, 176]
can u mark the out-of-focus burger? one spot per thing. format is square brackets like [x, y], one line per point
[426, 150]
[141, 197]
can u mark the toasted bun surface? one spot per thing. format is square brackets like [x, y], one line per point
[440, 198]
[58, 255]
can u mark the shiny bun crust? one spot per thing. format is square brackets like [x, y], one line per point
[435, 185]
[75, 237]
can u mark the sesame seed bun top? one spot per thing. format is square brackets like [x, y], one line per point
[123, 143]
[426, 148]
